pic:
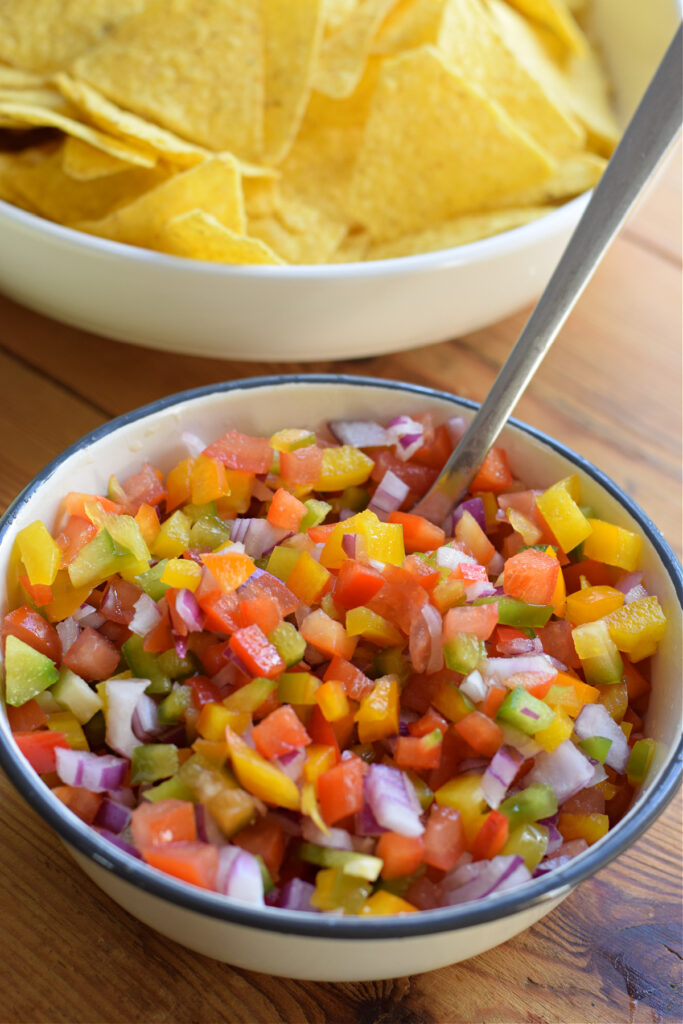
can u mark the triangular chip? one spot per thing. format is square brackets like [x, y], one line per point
[195, 67]
[83, 162]
[573, 176]
[460, 231]
[434, 148]
[199, 236]
[469, 41]
[299, 233]
[43, 35]
[344, 52]
[213, 185]
[132, 129]
[292, 38]
[409, 24]
[556, 16]
[15, 78]
[335, 13]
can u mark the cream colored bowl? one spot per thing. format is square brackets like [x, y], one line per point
[324, 312]
[312, 946]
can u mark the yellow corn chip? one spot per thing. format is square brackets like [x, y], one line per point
[409, 24]
[213, 185]
[195, 67]
[469, 42]
[335, 12]
[573, 176]
[344, 52]
[353, 247]
[47, 99]
[15, 78]
[297, 232]
[556, 16]
[460, 231]
[199, 236]
[135, 130]
[43, 35]
[434, 148]
[83, 162]
[260, 196]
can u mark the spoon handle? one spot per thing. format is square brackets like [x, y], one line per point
[650, 133]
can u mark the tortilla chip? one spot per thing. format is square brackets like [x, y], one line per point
[38, 177]
[434, 148]
[469, 42]
[260, 196]
[460, 231]
[42, 117]
[556, 16]
[344, 52]
[15, 78]
[411, 23]
[213, 185]
[199, 236]
[43, 35]
[353, 248]
[135, 130]
[335, 12]
[575, 175]
[83, 162]
[195, 67]
[297, 232]
[293, 34]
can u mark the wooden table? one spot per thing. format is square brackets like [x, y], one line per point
[611, 389]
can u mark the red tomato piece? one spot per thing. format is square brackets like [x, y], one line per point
[494, 474]
[418, 478]
[27, 717]
[430, 721]
[356, 684]
[491, 837]
[34, 630]
[558, 642]
[119, 600]
[144, 488]
[256, 652]
[482, 734]
[265, 839]
[412, 752]
[191, 862]
[262, 583]
[39, 748]
[285, 510]
[263, 611]
[301, 466]
[76, 533]
[39, 593]
[478, 620]
[436, 449]
[203, 691]
[340, 790]
[402, 855]
[279, 733]
[321, 731]
[356, 584]
[444, 838]
[82, 802]
[240, 451]
[92, 656]
[166, 821]
[531, 576]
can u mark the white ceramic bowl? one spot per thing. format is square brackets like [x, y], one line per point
[313, 313]
[320, 947]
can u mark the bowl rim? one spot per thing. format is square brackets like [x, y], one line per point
[555, 221]
[552, 886]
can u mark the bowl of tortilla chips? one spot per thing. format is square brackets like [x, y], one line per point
[264, 180]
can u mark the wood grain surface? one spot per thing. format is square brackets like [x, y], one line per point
[613, 951]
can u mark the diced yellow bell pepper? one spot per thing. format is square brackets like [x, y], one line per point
[66, 598]
[597, 652]
[332, 700]
[613, 545]
[173, 537]
[240, 486]
[529, 842]
[297, 688]
[310, 807]
[522, 525]
[208, 481]
[590, 827]
[214, 751]
[250, 697]
[214, 718]
[490, 508]
[559, 730]
[40, 554]
[66, 722]
[363, 621]
[178, 485]
[232, 809]
[464, 794]
[559, 598]
[319, 757]
[342, 467]
[591, 603]
[637, 628]
[626, 728]
[607, 788]
[308, 579]
[377, 715]
[383, 541]
[15, 569]
[334, 890]
[259, 777]
[292, 438]
[448, 699]
[614, 697]
[559, 507]
[148, 521]
[382, 903]
[123, 529]
[181, 573]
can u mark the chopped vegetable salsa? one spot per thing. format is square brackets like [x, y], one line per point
[263, 675]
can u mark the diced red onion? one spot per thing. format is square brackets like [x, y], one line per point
[350, 544]
[188, 610]
[363, 844]
[112, 815]
[472, 766]
[425, 641]
[207, 829]
[335, 839]
[360, 433]
[146, 616]
[296, 895]
[499, 669]
[289, 821]
[495, 564]
[118, 842]
[366, 824]
[475, 507]
[195, 446]
[313, 656]
[635, 594]
[628, 581]
[261, 491]
[239, 875]
[122, 697]
[96, 772]
[390, 494]
[292, 764]
[555, 839]
[301, 612]
[566, 770]
[456, 427]
[68, 631]
[123, 795]
[346, 513]
[500, 775]
[520, 645]
[595, 720]
[407, 434]
[145, 722]
[258, 536]
[316, 551]
[474, 687]
[483, 878]
[392, 799]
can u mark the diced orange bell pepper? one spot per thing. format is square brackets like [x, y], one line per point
[229, 568]
[178, 484]
[319, 757]
[591, 603]
[308, 580]
[332, 700]
[418, 533]
[469, 532]
[265, 839]
[280, 733]
[383, 903]
[82, 802]
[491, 836]
[590, 827]
[285, 510]
[327, 635]
[483, 735]
[256, 652]
[208, 481]
[191, 862]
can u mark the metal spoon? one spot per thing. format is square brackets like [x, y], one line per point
[652, 130]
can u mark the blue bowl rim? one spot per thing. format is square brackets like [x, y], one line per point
[550, 887]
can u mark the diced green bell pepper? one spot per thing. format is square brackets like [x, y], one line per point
[172, 789]
[535, 802]
[99, 559]
[250, 697]
[144, 665]
[150, 581]
[640, 760]
[297, 688]
[173, 707]
[463, 652]
[525, 712]
[390, 661]
[27, 672]
[596, 747]
[153, 761]
[528, 842]
[359, 865]
[209, 531]
[288, 642]
[282, 560]
[175, 667]
[316, 513]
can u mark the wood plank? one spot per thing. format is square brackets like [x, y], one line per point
[657, 220]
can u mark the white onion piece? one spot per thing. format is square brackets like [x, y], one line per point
[566, 770]
[456, 427]
[595, 720]
[500, 774]
[195, 446]
[495, 564]
[145, 722]
[96, 772]
[291, 764]
[361, 433]
[392, 799]
[450, 557]
[68, 631]
[474, 687]
[146, 616]
[479, 588]
[628, 581]
[390, 494]
[122, 696]
[86, 615]
[258, 536]
[333, 839]
[499, 669]
[239, 875]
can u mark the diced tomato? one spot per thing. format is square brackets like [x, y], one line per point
[279, 733]
[531, 576]
[118, 603]
[82, 802]
[454, 749]
[340, 790]
[418, 533]
[302, 466]
[92, 656]
[597, 574]
[413, 752]
[327, 635]
[240, 451]
[203, 691]
[418, 478]
[256, 652]
[482, 734]
[558, 642]
[478, 620]
[165, 821]
[636, 684]
[525, 502]
[39, 748]
[436, 449]
[27, 717]
[191, 862]
[494, 474]
[356, 684]
[444, 838]
[491, 837]
[425, 574]
[29, 626]
[76, 533]
[262, 611]
[402, 855]
[356, 584]
[430, 721]
[262, 583]
[265, 839]
[144, 488]
[401, 598]
[285, 510]
[322, 732]
[115, 632]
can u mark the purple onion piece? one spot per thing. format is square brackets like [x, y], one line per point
[296, 895]
[96, 772]
[392, 799]
[118, 841]
[68, 631]
[484, 877]
[239, 875]
[112, 816]
[333, 839]
[350, 544]
[145, 722]
[500, 775]
[146, 616]
[475, 507]
[390, 494]
[360, 433]
[366, 823]
[188, 610]
[207, 829]
[566, 770]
